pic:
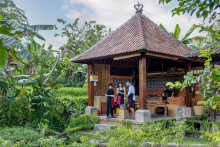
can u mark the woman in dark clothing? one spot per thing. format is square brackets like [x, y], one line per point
[120, 98]
[110, 101]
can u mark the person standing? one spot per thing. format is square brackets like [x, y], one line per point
[121, 95]
[131, 98]
[110, 101]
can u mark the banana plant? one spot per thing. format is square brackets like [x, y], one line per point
[199, 42]
[11, 29]
[35, 49]
[177, 32]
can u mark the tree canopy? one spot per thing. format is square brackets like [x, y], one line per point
[13, 12]
[202, 8]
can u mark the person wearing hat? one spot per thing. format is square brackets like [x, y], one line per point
[110, 101]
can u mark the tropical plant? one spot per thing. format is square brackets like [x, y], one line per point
[203, 9]
[177, 32]
[199, 42]
[12, 30]
[213, 135]
[12, 46]
[208, 80]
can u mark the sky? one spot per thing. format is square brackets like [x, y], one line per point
[111, 13]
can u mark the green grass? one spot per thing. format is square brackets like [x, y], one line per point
[77, 135]
[191, 140]
[32, 136]
[15, 133]
[71, 91]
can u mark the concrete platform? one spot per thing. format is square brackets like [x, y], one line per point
[89, 109]
[104, 120]
[104, 127]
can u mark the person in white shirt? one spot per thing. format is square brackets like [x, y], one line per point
[131, 98]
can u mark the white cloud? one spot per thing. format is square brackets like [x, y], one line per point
[65, 8]
[54, 47]
[59, 39]
[84, 15]
[113, 13]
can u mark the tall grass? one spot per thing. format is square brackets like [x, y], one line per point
[71, 91]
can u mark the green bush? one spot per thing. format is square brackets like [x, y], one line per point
[71, 91]
[21, 112]
[81, 127]
[83, 120]
[58, 125]
[64, 106]
[71, 101]
[26, 133]
[9, 143]
[52, 141]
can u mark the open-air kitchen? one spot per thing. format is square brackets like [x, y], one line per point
[141, 52]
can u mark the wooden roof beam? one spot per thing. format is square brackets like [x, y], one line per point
[112, 64]
[127, 56]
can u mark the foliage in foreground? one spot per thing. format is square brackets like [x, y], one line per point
[208, 80]
[160, 132]
[83, 120]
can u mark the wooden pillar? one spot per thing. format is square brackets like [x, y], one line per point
[136, 82]
[142, 82]
[91, 69]
[188, 98]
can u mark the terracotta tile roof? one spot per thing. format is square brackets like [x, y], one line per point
[137, 33]
[197, 53]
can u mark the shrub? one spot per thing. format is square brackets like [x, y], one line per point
[51, 141]
[213, 137]
[9, 143]
[81, 127]
[58, 125]
[15, 133]
[23, 112]
[83, 120]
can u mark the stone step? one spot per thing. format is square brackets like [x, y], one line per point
[104, 127]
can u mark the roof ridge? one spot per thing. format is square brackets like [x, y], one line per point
[165, 32]
[210, 45]
[116, 30]
[204, 48]
[141, 32]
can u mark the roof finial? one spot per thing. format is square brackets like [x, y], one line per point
[138, 7]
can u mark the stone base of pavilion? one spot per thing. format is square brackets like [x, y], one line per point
[116, 121]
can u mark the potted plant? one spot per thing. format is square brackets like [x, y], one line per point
[198, 109]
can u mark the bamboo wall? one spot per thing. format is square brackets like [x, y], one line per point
[103, 72]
